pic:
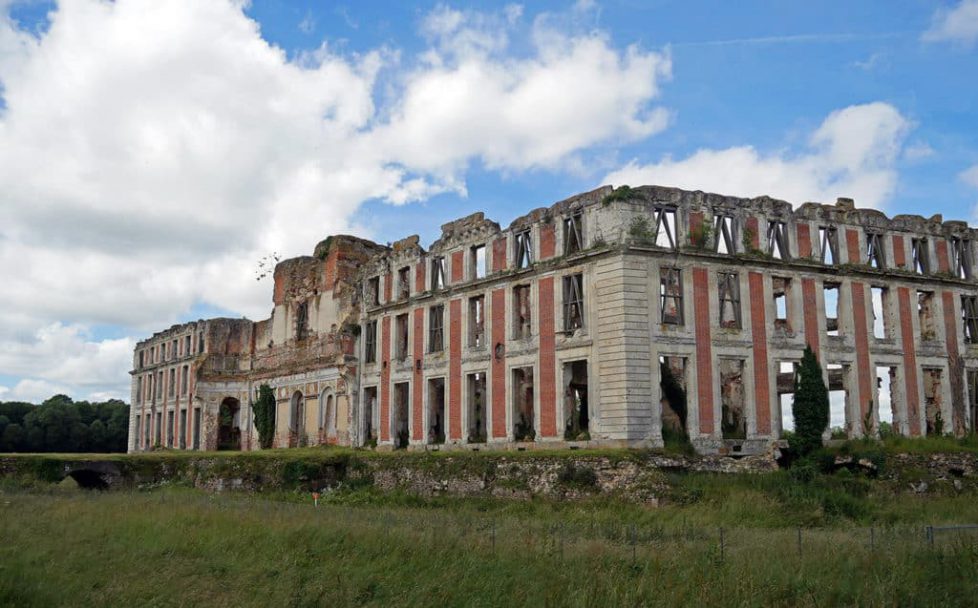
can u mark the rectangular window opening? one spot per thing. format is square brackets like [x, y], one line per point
[477, 322]
[777, 240]
[183, 430]
[437, 273]
[369, 407]
[830, 293]
[436, 410]
[671, 296]
[370, 342]
[785, 383]
[373, 291]
[733, 416]
[926, 315]
[973, 398]
[573, 233]
[477, 407]
[522, 312]
[402, 410]
[838, 401]
[665, 227]
[524, 423]
[477, 255]
[881, 320]
[728, 287]
[404, 283]
[933, 401]
[780, 287]
[196, 440]
[886, 412]
[573, 302]
[576, 414]
[672, 396]
[401, 328]
[962, 260]
[436, 328]
[921, 258]
[524, 249]
[725, 234]
[875, 254]
[969, 313]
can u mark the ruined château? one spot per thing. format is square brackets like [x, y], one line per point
[609, 318]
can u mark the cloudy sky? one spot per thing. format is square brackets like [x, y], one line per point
[153, 154]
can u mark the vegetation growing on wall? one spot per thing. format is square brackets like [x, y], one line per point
[265, 416]
[61, 424]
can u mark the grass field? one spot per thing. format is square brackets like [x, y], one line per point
[830, 541]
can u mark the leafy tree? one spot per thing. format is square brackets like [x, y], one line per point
[61, 424]
[811, 405]
[13, 438]
[265, 416]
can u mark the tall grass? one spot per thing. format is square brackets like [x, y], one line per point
[180, 547]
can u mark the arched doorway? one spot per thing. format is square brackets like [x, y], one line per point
[327, 415]
[229, 425]
[297, 412]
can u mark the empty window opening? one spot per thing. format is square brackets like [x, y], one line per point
[733, 416]
[436, 328]
[186, 345]
[777, 240]
[401, 346]
[173, 382]
[477, 408]
[524, 424]
[370, 342]
[169, 429]
[925, 315]
[573, 302]
[573, 233]
[728, 287]
[185, 380]
[521, 312]
[297, 418]
[672, 396]
[196, 440]
[436, 410]
[147, 425]
[437, 273]
[327, 414]
[725, 234]
[576, 414]
[830, 292]
[139, 426]
[969, 313]
[886, 412]
[780, 287]
[141, 358]
[139, 389]
[159, 385]
[785, 385]
[200, 344]
[183, 430]
[301, 320]
[524, 249]
[671, 296]
[665, 227]
[875, 255]
[921, 257]
[961, 254]
[401, 415]
[838, 401]
[477, 322]
[829, 248]
[933, 401]
[404, 283]
[373, 291]
[369, 407]
[973, 398]
[159, 428]
[477, 255]
[881, 321]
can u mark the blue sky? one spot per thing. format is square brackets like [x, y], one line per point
[155, 152]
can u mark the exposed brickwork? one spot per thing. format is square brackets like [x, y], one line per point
[704, 349]
[852, 246]
[419, 277]
[417, 400]
[909, 360]
[810, 311]
[762, 390]
[458, 266]
[899, 254]
[755, 233]
[695, 225]
[385, 379]
[548, 241]
[498, 332]
[388, 285]
[943, 263]
[455, 370]
[499, 254]
[804, 240]
[548, 385]
[861, 331]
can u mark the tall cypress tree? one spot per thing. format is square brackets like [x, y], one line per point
[265, 416]
[811, 405]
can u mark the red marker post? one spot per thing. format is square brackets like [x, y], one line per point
[315, 498]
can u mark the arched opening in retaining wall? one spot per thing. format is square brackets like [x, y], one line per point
[297, 413]
[89, 480]
[229, 425]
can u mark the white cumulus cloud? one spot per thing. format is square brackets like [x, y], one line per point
[958, 24]
[152, 152]
[853, 154]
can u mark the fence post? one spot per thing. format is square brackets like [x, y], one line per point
[930, 536]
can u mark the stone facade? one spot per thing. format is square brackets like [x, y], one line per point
[608, 318]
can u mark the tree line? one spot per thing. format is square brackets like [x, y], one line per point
[61, 424]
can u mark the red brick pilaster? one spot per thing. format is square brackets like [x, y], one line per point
[804, 239]
[943, 265]
[852, 246]
[498, 332]
[548, 386]
[695, 225]
[863, 369]
[385, 379]
[417, 418]
[419, 277]
[899, 254]
[548, 241]
[499, 254]
[909, 360]
[455, 370]
[458, 266]
[810, 310]
[762, 391]
[752, 227]
[704, 349]
[953, 360]
[388, 285]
